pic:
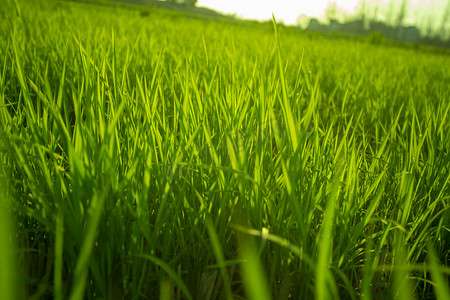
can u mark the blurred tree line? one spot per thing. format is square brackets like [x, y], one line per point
[424, 23]
[432, 18]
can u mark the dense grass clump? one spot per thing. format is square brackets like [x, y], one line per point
[160, 155]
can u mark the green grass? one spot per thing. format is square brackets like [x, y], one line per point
[156, 154]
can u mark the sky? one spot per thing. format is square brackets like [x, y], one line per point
[285, 10]
[289, 10]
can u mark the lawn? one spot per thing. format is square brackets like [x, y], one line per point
[153, 154]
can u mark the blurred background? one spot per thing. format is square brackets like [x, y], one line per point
[431, 17]
[414, 21]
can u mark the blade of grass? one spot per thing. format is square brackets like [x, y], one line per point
[82, 266]
[169, 272]
[219, 257]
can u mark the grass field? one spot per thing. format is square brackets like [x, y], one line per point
[151, 154]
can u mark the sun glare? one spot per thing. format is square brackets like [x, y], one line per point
[289, 10]
[284, 10]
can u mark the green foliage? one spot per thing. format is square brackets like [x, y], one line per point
[166, 155]
[376, 38]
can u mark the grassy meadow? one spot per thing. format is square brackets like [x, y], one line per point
[153, 154]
